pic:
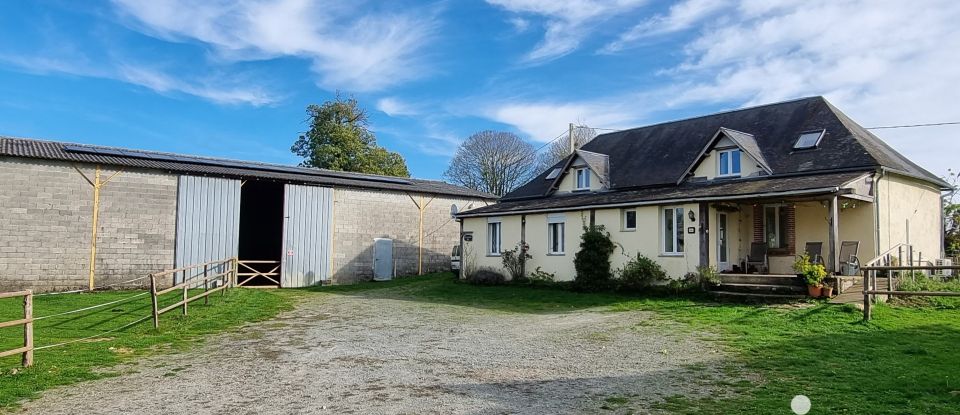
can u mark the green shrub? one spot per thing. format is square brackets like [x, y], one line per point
[639, 274]
[813, 273]
[514, 261]
[541, 276]
[592, 262]
[485, 276]
[922, 282]
[703, 279]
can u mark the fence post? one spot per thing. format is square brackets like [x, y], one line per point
[153, 299]
[184, 298]
[206, 284]
[28, 329]
[866, 295]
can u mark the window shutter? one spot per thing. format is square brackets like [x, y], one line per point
[791, 236]
[758, 223]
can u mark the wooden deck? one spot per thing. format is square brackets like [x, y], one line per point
[854, 293]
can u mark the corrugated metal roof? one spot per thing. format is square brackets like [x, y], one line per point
[207, 166]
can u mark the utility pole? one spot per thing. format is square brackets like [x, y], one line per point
[573, 144]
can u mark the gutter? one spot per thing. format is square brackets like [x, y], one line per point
[822, 190]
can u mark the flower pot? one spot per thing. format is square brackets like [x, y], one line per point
[827, 291]
[814, 290]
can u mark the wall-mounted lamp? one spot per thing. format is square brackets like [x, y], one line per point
[692, 216]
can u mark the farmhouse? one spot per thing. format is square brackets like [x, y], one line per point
[744, 191]
[76, 216]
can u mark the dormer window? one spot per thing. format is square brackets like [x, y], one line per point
[810, 139]
[729, 163]
[583, 179]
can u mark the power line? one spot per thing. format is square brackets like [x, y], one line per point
[935, 124]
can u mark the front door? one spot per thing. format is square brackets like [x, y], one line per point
[723, 250]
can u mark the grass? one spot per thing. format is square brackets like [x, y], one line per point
[904, 361]
[87, 360]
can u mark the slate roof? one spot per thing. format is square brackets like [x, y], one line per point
[691, 191]
[207, 166]
[660, 154]
[599, 163]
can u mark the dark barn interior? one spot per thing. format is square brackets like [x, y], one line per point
[261, 230]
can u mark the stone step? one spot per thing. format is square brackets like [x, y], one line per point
[761, 279]
[763, 288]
[761, 298]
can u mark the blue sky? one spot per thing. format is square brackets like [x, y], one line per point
[232, 78]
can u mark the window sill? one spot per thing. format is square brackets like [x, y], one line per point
[628, 230]
[493, 255]
[556, 254]
[671, 255]
[580, 190]
[728, 176]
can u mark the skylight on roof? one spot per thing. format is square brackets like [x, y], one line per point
[553, 174]
[808, 140]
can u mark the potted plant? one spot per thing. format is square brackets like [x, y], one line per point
[813, 274]
[827, 290]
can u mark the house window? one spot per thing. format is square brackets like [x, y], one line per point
[629, 220]
[729, 163]
[493, 238]
[809, 139]
[775, 226]
[555, 238]
[583, 179]
[673, 230]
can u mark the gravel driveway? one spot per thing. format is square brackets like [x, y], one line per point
[367, 354]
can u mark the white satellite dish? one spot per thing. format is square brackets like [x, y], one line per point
[453, 210]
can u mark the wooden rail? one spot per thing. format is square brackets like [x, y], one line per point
[226, 279]
[26, 322]
[870, 290]
[250, 273]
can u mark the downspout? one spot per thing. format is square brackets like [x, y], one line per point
[523, 245]
[876, 211]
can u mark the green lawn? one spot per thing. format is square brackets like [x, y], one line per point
[907, 360]
[85, 360]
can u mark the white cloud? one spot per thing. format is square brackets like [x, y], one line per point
[882, 62]
[222, 89]
[520, 24]
[395, 107]
[681, 16]
[544, 121]
[567, 22]
[349, 47]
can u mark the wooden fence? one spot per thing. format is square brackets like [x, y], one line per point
[26, 322]
[893, 274]
[223, 279]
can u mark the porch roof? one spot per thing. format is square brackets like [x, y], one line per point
[733, 189]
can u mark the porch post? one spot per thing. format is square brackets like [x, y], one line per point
[834, 235]
[704, 234]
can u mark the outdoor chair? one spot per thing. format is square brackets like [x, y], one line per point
[849, 263]
[814, 250]
[757, 257]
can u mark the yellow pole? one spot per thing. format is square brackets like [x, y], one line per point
[96, 218]
[420, 245]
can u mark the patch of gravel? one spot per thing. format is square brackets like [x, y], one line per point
[367, 354]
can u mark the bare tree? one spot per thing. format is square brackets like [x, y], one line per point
[493, 161]
[560, 149]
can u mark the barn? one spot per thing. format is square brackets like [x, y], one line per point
[76, 216]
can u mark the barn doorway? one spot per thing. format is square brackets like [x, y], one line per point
[261, 234]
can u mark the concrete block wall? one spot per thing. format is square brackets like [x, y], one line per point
[361, 215]
[45, 232]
